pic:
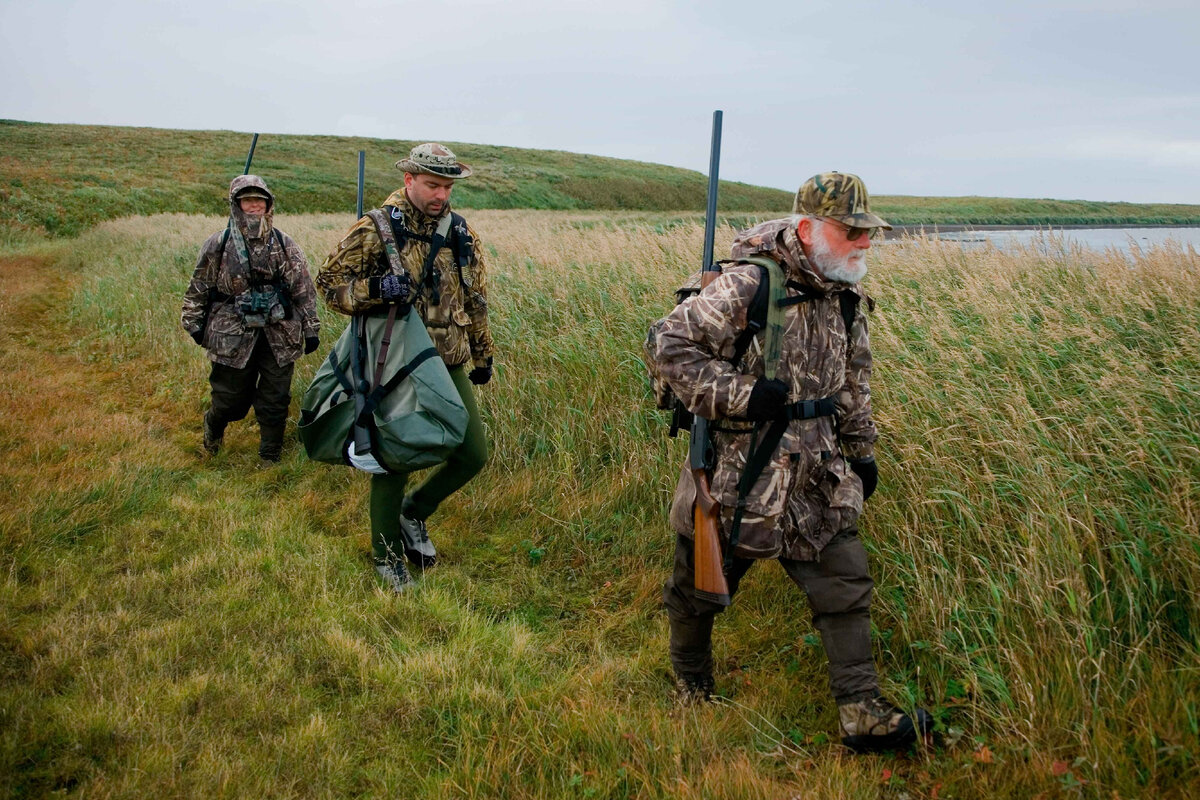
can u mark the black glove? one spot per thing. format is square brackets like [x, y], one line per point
[390, 288]
[311, 343]
[868, 472]
[197, 336]
[767, 400]
[481, 375]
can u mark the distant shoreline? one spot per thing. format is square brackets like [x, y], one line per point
[898, 231]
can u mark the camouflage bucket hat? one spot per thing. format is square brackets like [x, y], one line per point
[839, 196]
[434, 159]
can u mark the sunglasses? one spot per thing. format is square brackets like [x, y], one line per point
[851, 233]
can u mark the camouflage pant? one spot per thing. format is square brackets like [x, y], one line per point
[262, 384]
[839, 593]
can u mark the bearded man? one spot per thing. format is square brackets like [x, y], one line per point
[252, 305]
[802, 508]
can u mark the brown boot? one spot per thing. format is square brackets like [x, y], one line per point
[874, 724]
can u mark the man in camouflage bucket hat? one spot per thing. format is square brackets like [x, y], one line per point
[251, 304]
[450, 294]
[803, 508]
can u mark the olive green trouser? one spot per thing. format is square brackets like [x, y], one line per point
[262, 384]
[839, 593]
[387, 491]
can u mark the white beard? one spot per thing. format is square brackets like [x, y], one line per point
[850, 268]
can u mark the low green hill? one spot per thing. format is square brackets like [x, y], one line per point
[59, 180]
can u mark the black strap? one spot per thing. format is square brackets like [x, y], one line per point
[756, 316]
[756, 461]
[811, 409]
[376, 396]
[430, 274]
[761, 453]
[849, 304]
[359, 432]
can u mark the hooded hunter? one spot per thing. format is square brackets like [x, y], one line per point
[252, 305]
[807, 421]
[414, 252]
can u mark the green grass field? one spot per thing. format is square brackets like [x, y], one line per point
[179, 626]
[59, 180]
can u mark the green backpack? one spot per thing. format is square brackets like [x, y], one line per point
[383, 401]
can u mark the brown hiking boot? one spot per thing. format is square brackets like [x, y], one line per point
[874, 724]
[212, 437]
[692, 689]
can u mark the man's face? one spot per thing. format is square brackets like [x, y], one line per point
[429, 194]
[252, 205]
[834, 256]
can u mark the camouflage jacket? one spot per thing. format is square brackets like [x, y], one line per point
[211, 301]
[807, 492]
[458, 324]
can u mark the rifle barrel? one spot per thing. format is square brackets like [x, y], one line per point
[250, 155]
[710, 213]
[362, 156]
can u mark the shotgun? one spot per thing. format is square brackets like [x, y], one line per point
[710, 580]
[362, 157]
[250, 155]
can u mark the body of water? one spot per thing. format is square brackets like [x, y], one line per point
[1101, 239]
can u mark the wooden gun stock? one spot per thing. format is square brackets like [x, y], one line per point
[710, 580]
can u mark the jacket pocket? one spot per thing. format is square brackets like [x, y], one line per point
[835, 495]
[224, 332]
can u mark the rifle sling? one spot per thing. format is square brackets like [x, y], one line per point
[760, 455]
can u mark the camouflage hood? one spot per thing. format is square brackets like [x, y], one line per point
[776, 239]
[251, 226]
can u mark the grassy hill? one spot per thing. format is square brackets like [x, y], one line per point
[59, 180]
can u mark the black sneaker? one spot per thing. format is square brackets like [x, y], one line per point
[418, 549]
[874, 724]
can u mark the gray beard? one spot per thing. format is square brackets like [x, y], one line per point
[841, 269]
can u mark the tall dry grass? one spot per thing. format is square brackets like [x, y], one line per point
[182, 626]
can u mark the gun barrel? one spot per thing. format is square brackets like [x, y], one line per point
[250, 155]
[362, 156]
[710, 213]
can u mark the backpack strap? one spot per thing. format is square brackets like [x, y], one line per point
[394, 236]
[463, 248]
[849, 304]
[765, 313]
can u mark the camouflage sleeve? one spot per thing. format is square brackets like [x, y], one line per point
[204, 279]
[478, 333]
[696, 341]
[856, 430]
[300, 286]
[342, 279]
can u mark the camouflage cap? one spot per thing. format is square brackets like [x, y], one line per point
[432, 158]
[839, 196]
[244, 186]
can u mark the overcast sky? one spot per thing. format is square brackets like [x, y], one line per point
[1094, 99]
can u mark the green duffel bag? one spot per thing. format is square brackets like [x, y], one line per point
[383, 400]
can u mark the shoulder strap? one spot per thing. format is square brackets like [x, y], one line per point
[849, 304]
[463, 248]
[391, 249]
[766, 313]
